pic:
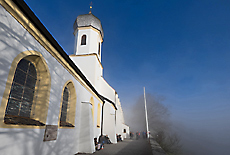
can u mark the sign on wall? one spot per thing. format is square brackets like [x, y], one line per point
[50, 133]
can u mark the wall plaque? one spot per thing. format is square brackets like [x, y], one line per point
[50, 133]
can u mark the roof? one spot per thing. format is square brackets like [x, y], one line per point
[37, 23]
[88, 20]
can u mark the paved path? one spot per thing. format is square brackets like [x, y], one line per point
[126, 147]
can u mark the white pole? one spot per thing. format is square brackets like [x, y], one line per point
[146, 116]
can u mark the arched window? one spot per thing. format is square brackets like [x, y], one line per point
[83, 40]
[26, 97]
[99, 48]
[65, 108]
[21, 97]
[22, 91]
[68, 106]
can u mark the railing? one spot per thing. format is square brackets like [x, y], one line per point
[156, 148]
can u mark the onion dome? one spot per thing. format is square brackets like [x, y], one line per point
[87, 20]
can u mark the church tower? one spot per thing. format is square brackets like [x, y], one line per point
[88, 34]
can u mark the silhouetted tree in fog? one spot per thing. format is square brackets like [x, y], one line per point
[159, 122]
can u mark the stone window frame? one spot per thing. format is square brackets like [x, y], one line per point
[71, 111]
[42, 90]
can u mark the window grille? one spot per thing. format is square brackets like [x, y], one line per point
[65, 108]
[20, 101]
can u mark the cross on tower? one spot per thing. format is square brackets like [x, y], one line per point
[90, 6]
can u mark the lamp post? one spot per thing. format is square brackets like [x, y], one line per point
[146, 116]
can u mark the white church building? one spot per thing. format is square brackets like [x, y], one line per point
[52, 103]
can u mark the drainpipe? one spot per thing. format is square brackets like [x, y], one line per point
[115, 110]
[102, 115]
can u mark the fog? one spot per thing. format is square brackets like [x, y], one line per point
[158, 114]
[201, 135]
[198, 140]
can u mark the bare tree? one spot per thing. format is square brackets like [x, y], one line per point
[159, 122]
[169, 142]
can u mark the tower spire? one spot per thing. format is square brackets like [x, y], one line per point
[90, 7]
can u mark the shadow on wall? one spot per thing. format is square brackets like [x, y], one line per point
[30, 141]
[27, 141]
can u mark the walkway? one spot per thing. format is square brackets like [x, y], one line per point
[126, 147]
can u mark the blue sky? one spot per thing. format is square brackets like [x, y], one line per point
[178, 49]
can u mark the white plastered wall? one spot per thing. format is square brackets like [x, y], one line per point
[109, 122]
[119, 120]
[87, 65]
[126, 127]
[97, 130]
[92, 40]
[109, 125]
[91, 68]
[14, 39]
